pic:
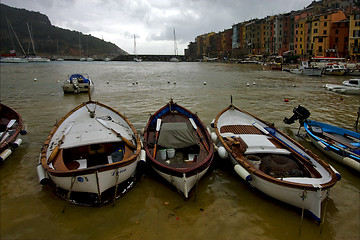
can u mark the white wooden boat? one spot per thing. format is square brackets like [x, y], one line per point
[78, 83]
[334, 69]
[178, 146]
[271, 161]
[11, 126]
[91, 154]
[351, 86]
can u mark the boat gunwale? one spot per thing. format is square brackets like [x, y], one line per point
[99, 168]
[279, 181]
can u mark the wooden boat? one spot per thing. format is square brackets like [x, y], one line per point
[338, 143]
[90, 154]
[178, 146]
[335, 69]
[272, 162]
[11, 126]
[351, 87]
[77, 83]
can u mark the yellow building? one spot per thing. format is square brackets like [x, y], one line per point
[354, 35]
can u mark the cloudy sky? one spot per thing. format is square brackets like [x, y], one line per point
[153, 21]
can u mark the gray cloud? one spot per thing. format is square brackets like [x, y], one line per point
[153, 21]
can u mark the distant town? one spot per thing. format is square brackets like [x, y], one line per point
[327, 28]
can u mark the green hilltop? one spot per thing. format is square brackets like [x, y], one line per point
[49, 40]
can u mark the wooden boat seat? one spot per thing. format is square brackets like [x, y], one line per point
[240, 129]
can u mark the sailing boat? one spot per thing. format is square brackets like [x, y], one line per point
[175, 59]
[136, 58]
[33, 57]
[11, 57]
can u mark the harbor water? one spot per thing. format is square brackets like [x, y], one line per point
[222, 205]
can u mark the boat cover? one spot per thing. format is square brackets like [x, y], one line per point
[176, 135]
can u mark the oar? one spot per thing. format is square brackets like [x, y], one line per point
[128, 142]
[5, 133]
[198, 132]
[56, 149]
[158, 124]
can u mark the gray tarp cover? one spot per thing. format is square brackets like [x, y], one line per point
[176, 135]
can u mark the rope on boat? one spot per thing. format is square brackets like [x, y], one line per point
[69, 193]
[116, 185]
[303, 196]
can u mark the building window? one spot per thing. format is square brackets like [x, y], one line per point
[357, 17]
[336, 40]
[325, 24]
[320, 48]
[336, 31]
[357, 24]
[324, 32]
[315, 30]
[321, 39]
[356, 33]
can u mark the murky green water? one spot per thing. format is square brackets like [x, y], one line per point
[222, 206]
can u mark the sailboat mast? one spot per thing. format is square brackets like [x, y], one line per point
[16, 37]
[134, 45]
[31, 39]
[175, 45]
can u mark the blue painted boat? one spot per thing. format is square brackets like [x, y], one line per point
[338, 143]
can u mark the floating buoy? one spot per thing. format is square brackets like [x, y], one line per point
[247, 84]
[204, 83]
[286, 100]
[58, 81]
[107, 82]
[175, 82]
[133, 83]
[254, 83]
[168, 81]
[137, 82]
[294, 85]
[35, 79]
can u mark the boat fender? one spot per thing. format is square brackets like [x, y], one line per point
[43, 179]
[5, 154]
[212, 123]
[208, 129]
[222, 152]
[42, 175]
[322, 145]
[352, 163]
[242, 172]
[17, 143]
[142, 155]
[214, 137]
[338, 175]
[23, 130]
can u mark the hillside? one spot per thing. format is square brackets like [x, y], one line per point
[48, 40]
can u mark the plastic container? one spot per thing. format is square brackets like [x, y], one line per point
[170, 152]
[162, 154]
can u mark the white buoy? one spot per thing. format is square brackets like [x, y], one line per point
[137, 82]
[5, 154]
[107, 82]
[57, 81]
[142, 155]
[204, 83]
[254, 83]
[247, 84]
[222, 152]
[175, 82]
[294, 85]
[35, 79]
[242, 172]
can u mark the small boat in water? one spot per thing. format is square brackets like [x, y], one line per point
[351, 86]
[304, 69]
[271, 161]
[334, 69]
[91, 155]
[178, 146]
[77, 83]
[338, 143]
[11, 126]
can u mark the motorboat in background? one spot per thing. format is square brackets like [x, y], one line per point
[11, 126]
[305, 69]
[91, 155]
[77, 83]
[334, 69]
[351, 87]
[178, 146]
[271, 161]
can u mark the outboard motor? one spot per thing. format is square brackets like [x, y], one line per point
[300, 113]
